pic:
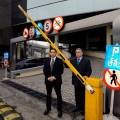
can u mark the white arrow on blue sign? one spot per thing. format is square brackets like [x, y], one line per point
[41, 27]
[112, 57]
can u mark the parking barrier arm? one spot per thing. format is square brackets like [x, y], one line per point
[88, 87]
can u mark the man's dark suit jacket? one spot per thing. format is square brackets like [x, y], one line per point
[84, 68]
[57, 71]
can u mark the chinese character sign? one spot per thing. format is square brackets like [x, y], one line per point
[6, 55]
[112, 57]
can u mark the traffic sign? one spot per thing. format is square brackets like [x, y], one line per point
[25, 33]
[58, 23]
[32, 31]
[47, 26]
[6, 55]
[37, 31]
[112, 79]
[112, 57]
[6, 62]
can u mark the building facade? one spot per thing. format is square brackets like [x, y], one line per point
[12, 20]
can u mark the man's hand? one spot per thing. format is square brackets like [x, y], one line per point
[51, 78]
[85, 77]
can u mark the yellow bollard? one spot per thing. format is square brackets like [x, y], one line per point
[94, 102]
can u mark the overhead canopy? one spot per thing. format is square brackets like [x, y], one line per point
[89, 23]
[83, 24]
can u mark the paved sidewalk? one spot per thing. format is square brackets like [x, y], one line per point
[37, 82]
[32, 108]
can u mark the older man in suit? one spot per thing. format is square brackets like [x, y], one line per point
[84, 68]
[53, 69]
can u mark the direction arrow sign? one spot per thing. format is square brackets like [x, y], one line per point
[37, 31]
[112, 79]
[25, 33]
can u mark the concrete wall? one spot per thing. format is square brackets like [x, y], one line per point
[5, 21]
[43, 9]
[95, 54]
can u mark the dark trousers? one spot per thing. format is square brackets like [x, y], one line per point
[57, 89]
[80, 97]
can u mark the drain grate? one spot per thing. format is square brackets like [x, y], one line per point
[67, 107]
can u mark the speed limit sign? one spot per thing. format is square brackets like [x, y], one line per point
[32, 31]
[58, 23]
[47, 26]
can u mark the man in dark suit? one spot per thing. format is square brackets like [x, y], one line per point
[83, 66]
[53, 69]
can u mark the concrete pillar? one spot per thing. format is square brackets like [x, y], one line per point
[108, 35]
[12, 56]
[25, 46]
[87, 42]
[56, 42]
[18, 50]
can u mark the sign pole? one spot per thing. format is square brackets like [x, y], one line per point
[5, 78]
[111, 76]
[110, 115]
[5, 65]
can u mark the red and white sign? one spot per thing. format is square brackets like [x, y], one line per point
[58, 23]
[25, 33]
[32, 31]
[47, 26]
[6, 62]
[112, 79]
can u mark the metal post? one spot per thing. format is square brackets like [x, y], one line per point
[5, 78]
[110, 115]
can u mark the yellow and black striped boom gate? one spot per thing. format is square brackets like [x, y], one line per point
[8, 113]
[88, 87]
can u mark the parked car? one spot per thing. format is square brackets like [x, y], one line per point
[28, 63]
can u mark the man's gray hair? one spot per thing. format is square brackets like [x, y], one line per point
[79, 49]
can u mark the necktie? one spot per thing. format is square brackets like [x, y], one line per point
[52, 63]
[78, 60]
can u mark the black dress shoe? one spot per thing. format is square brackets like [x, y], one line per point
[82, 112]
[59, 114]
[47, 111]
[76, 110]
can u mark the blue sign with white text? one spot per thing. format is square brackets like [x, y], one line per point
[5, 55]
[41, 27]
[112, 57]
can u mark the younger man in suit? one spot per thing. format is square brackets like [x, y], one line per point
[53, 70]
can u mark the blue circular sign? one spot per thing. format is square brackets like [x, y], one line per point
[37, 31]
